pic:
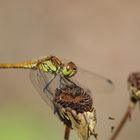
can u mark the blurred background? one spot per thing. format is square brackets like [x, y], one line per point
[101, 36]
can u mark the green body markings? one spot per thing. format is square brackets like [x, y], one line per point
[50, 64]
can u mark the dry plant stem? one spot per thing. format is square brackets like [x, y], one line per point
[97, 138]
[126, 116]
[67, 133]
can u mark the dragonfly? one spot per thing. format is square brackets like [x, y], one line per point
[134, 92]
[67, 89]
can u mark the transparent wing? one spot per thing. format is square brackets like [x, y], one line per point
[93, 81]
[40, 79]
[95, 84]
[90, 80]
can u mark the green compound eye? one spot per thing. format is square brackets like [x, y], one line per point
[69, 70]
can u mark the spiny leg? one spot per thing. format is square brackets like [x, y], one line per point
[46, 87]
[66, 81]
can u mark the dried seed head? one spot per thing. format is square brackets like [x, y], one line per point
[74, 97]
[75, 109]
[134, 86]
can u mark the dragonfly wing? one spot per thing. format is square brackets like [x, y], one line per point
[90, 80]
[93, 81]
[40, 79]
[94, 84]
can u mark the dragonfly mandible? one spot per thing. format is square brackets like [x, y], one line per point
[71, 100]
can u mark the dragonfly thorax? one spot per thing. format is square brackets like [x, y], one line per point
[50, 64]
[53, 65]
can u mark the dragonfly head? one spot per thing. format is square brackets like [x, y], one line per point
[69, 70]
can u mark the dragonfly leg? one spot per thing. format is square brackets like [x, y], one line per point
[66, 81]
[70, 81]
[46, 87]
